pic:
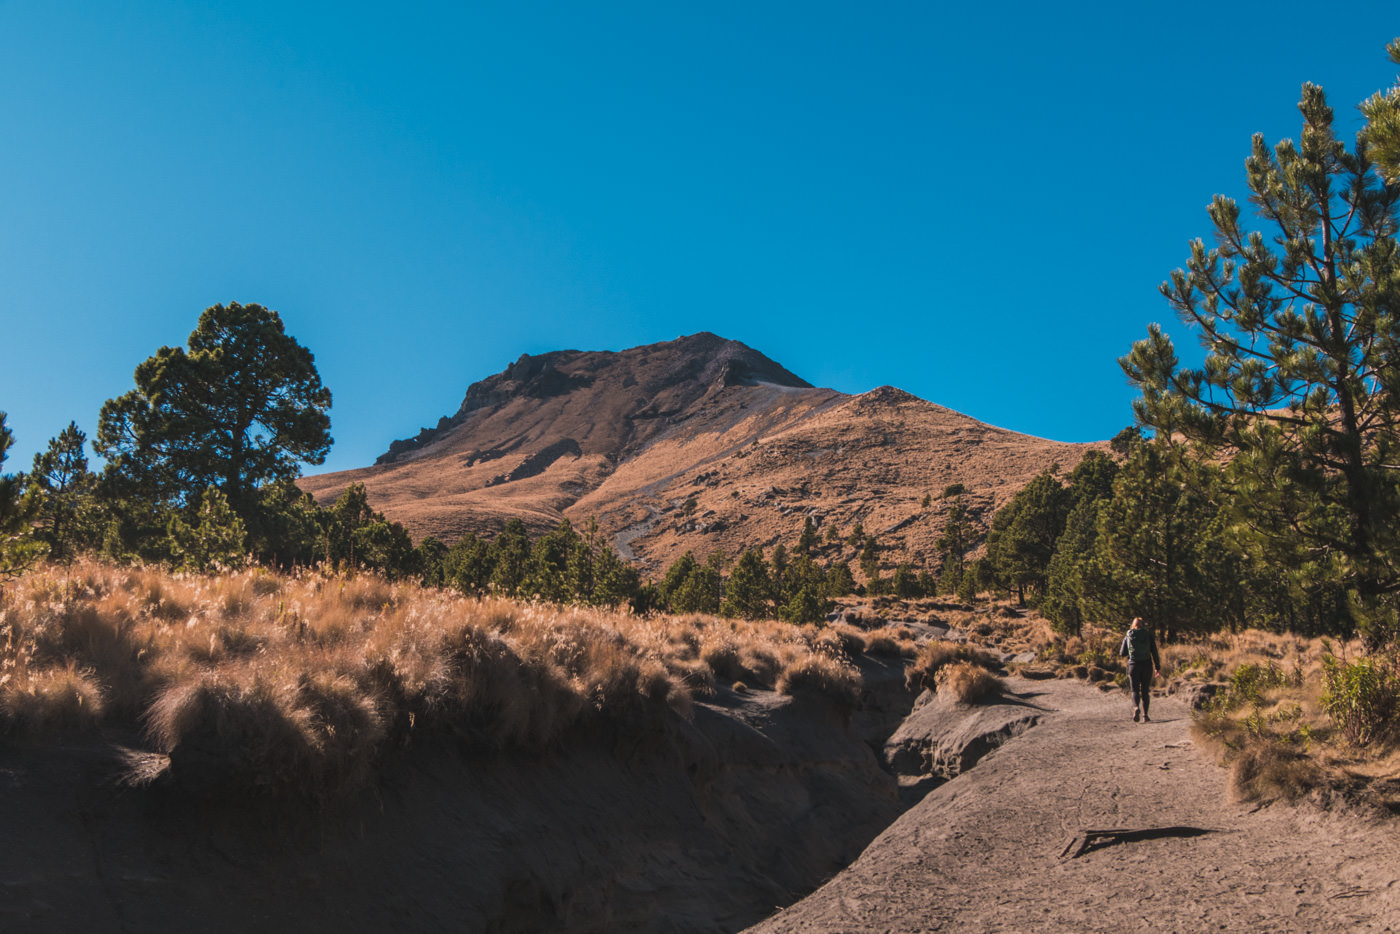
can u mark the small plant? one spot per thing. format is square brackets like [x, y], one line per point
[1249, 682]
[922, 672]
[968, 683]
[1361, 697]
[824, 676]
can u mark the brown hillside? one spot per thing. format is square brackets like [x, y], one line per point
[633, 437]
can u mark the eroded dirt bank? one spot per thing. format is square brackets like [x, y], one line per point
[1090, 822]
[702, 826]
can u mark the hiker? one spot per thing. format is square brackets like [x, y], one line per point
[1140, 648]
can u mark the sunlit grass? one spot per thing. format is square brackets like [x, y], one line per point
[258, 680]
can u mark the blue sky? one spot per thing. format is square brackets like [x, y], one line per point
[972, 202]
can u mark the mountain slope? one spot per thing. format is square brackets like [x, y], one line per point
[700, 443]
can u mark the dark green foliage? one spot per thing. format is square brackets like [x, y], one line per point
[287, 529]
[1090, 484]
[468, 565]
[806, 605]
[1382, 112]
[242, 406]
[690, 587]
[1123, 443]
[953, 544]
[213, 540]
[805, 597]
[511, 554]
[356, 536]
[809, 541]
[1065, 601]
[870, 558]
[18, 549]
[1023, 535]
[64, 489]
[749, 590]
[1300, 323]
[429, 557]
[1160, 548]
[905, 583]
[839, 580]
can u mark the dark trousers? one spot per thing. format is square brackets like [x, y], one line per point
[1140, 677]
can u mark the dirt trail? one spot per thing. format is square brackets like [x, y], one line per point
[1003, 847]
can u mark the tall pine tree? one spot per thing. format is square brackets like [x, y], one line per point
[1300, 387]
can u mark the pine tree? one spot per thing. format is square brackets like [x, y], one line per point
[18, 549]
[242, 406]
[1299, 388]
[953, 544]
[510, 558]
[1023, 535]
[1161, 550]
[749, 591]
[1382, 112]
[214, 540]
[61, 481]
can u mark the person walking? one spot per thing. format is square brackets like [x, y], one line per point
[1139, 647]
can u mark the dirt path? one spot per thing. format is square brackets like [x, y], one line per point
[1003, 846]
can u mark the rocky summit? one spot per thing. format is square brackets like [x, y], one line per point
[700, 444]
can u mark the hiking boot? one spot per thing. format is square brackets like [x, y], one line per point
[1136, 713]
[1145, 718]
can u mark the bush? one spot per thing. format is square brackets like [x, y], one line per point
[59, 700]
[1361, 697]
[823, 676]
[1268, 769]
[968, 683]
[1251, 680]
[922, 672]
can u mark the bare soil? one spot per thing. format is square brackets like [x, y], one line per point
[1090, 822]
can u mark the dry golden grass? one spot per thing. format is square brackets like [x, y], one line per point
[1270, 726]
[824, 676]
[256, 680]
[968, 683]
[923, 671]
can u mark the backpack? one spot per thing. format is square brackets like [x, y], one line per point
[1139, 645]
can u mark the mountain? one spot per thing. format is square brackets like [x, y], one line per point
[701, 444]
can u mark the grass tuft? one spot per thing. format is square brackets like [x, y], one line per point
[968, 683]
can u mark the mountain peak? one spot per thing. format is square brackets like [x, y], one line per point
[663, 379]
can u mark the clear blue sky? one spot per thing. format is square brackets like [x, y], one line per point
[974, 202]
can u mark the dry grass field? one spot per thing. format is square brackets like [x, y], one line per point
[262, 681]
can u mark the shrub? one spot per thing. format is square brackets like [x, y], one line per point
[823, 676]
[923, 670]
[56, 700]
[1249, 682]
[968, 683]
[1269, 769]
[1361, 697]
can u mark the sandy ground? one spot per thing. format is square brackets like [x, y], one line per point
[1007, 846]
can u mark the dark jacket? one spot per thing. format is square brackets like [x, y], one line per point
[1139, 645]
